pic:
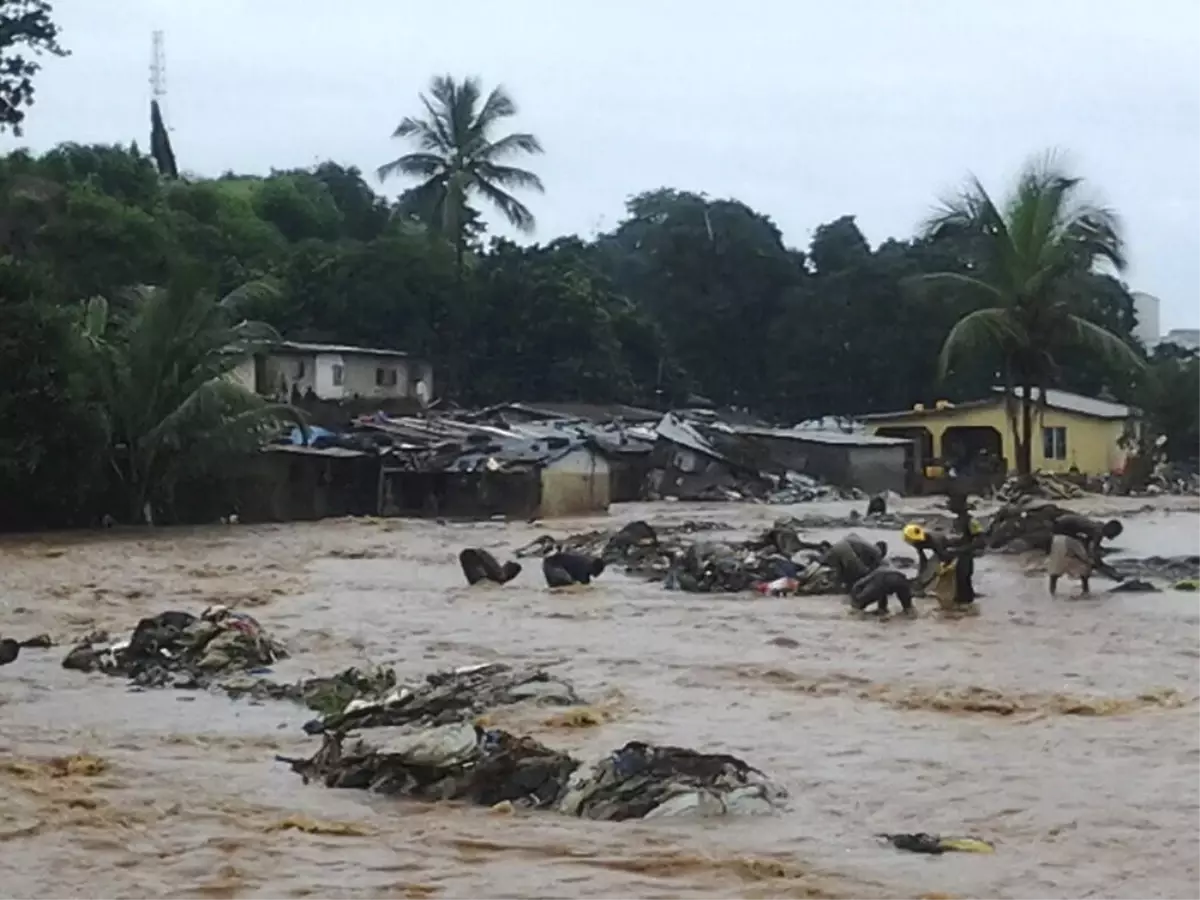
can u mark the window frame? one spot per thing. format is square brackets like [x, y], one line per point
[1054, 442]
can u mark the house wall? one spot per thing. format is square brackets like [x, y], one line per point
[243, 373]
[576, 484]
[876, 469]
[869, 468]
[1092, 444]
[278, 373]
[627, 476]
[287, 487]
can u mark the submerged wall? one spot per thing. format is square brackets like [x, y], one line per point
[576, 484]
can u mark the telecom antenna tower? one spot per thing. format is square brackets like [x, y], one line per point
[158, 74]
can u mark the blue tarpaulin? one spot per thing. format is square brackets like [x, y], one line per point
[314, 432]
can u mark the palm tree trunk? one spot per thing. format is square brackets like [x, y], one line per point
[1025, 439]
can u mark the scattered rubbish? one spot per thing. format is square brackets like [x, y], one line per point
[1039, 484]
[797, 488]
[448, 697]
[1133, 586]
[462, 761]
[178, 649]
[644, 781]
[328, 695]
[458, 761]
[920, 842]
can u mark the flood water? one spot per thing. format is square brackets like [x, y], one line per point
[1089, 786]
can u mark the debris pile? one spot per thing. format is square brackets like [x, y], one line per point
[328, 695]
[797, 488]
[463, 761]
[1023, 525]
[644, 781]
[447, 697]
[178, 649]
[1039, 484]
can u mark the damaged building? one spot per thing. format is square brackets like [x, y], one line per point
[699, 460]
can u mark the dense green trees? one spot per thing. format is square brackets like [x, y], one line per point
[115, 351]
[687, 297]
[26, 33]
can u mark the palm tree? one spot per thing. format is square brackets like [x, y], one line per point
[1028, 259]
[458, 156]
[163, 378]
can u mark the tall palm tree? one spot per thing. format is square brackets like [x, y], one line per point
[459, 156]
[163, 377]
[1027, 260]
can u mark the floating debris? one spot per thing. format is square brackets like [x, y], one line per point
[920, 842]
[448, 697]
[327, 695]
[463, 761]
[178, 649]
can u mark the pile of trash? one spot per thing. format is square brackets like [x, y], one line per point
[797, 488]
[1039, 484]
[1023, 525]
[1183, 572]
[178, 649]
[463, 761]
[445, 698]
[638, 547]
[327, 695]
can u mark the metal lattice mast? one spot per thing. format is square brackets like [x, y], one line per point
[158, 73]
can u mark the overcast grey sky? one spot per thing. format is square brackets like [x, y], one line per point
[805, 110]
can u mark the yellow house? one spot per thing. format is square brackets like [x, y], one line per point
[1070, 432]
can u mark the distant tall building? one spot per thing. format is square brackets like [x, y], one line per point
[1145, 307]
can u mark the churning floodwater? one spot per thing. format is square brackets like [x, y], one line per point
[1065, 731]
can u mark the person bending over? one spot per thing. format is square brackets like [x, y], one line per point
[852, 558]
[479, 565]
[1075, 549]
[877, 586]
[565, 568]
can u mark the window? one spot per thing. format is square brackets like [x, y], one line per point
[1054, 442]
[300, 368]
[385, 377]
[339, 374]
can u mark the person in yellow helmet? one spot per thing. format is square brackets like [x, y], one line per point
[958, 551]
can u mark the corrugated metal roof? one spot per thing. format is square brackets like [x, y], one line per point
[679, 432]
[304, 347]
[1077, 403]
[329, 452]
[852, 439]
[1055, 399]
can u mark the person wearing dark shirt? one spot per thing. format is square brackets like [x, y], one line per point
[564, 569]
[479, 565]
[1075, 549]
[853, 558]
[879, 585]
[958, 551]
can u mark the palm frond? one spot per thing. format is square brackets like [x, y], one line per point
[508, 145]
[421, 165]
[252, 292]
[509, 176]
[430, 134]
[498, 105]
[1102, 342]
[514, 210]
[965, 284]
[984, 329]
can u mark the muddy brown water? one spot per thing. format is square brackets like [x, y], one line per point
[1064, 731]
